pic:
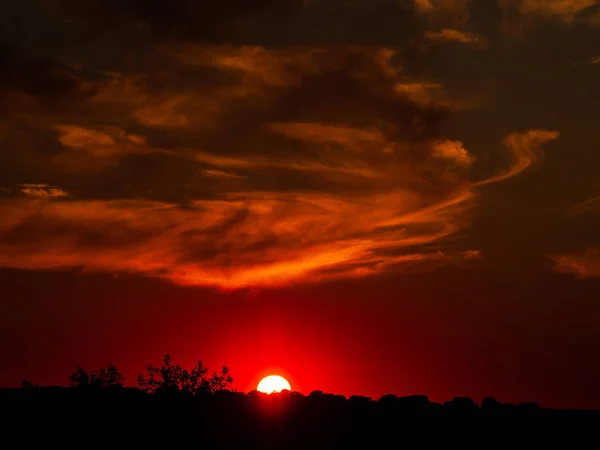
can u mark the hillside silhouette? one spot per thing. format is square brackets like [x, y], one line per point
[172, 403]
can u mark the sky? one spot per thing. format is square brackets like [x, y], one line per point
[365, 196]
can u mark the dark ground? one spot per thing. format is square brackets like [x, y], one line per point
[227, 420]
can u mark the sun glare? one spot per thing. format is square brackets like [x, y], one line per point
[273, 383]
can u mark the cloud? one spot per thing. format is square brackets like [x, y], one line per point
[43, 77]
[89, 149]
[424, 6]
[245, 240]
[168, 19]
[270, 23]
[106, 142]
[451, 35]
[582, 265]
[41, 191]
[472, 255]
[453, 11]
[591, 204]
[524, 148]
[353, 139]
[273, 179]
[452, 151]
[238, 165]
[220, 173]
[565, 11]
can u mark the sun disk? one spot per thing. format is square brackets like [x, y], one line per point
[273, 383]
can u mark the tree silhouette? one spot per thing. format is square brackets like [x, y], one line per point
[108, 377]
[28, 384]
[173, 377]
[79, 378]
[222, 381]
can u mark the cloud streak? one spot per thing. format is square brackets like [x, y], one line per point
[591, 204]
[41, 191]
[565, 11]
[582, 265]
[451, 35]
[524, 148]
[246, 240]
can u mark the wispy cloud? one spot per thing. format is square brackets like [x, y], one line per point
[587, 205]
[524, 148]
[451, 35]
[583, 264]
[472, 255]
[246, 240]
[455, 12]
[565, 11]
[41, 191]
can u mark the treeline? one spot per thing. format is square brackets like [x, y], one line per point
[171, 403]
[166, 378]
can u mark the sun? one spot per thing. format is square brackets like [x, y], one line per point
[273, 383]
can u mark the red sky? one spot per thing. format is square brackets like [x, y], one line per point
[369, 197]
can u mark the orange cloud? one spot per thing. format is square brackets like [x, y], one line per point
[427, 93]
[452, 35]
[150, 108]
[582, 265]
[109, 141]
[294, 165]
[424, 6]
[220, 173]
[452, 150]
[525, 151]
[472, 255]
[88, 149]
[245, 240]
[563, 10]
[353, 139]
[451, 11]
[41, 191]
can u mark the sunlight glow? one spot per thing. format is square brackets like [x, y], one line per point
[273, 383]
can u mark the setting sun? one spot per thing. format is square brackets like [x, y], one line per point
[273, 383]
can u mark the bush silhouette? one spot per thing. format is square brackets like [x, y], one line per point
[108, 377]
[175, 378]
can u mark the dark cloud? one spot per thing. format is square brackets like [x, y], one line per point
[34, 82]
[40, 77]
[169, 19]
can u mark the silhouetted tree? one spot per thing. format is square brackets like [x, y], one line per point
[197, 381]
[79, 378]
[28, 384]
[173, 377]
[222, 381]
[167, 377]
[103, 378]
[108, 377]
